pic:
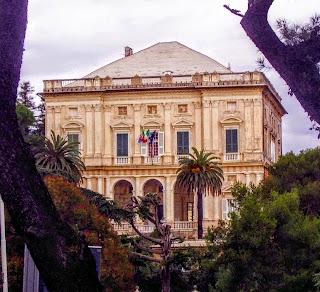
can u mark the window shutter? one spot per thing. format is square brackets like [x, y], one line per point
[160, 143]
[144, 149]
[224, 209]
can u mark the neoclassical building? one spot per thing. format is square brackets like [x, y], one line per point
[190, 100]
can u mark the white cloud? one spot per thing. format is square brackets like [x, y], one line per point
[68, 39]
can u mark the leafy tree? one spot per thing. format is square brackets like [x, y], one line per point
[117, 273]
[295, 55]
[53, 244]
[200, 173]
[60, 157]
[25, 119]
[270, 245]
[25, 95]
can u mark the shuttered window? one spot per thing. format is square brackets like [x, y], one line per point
[232, 141]
[122, 144]
[182, 143]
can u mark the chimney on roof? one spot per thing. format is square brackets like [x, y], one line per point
[128, 51]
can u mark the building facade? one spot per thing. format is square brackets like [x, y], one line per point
[188, 100]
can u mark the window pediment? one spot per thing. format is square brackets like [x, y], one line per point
[73, 125]
[121, 126]
[231, 120]
[152, 125]
[183, 123]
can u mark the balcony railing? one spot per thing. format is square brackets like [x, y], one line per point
[184, 225]
[232, 157]
[122, 160]
[152, 160]
[120, 83]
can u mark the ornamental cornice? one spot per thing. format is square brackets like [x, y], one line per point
[197, 105]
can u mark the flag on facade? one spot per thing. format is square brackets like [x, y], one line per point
[148, 133]
[143, 138]
[152, 136]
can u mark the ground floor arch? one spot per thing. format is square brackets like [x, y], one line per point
[122, 192]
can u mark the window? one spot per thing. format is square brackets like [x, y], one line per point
[273, 149]
[190, 211]
[183, 142]
[122, 111]
[232, 141]
[122, 145]
[155, 149]
[228, 206]
[152, 109]
[74, 137]
[73, 111]
[231, 106]
[182, 108]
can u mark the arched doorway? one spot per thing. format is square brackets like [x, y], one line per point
[184, 206]
[122, 192]
[153, 186]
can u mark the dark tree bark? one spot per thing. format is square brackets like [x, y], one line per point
[296, 64]
[64, 262]
[200, 214]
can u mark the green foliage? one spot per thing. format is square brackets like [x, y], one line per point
[75, 208]
[270, 244]
[199, 172]
[293, 34]
[25, 119]
[58, 156]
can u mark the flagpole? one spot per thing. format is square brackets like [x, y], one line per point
[3, 248]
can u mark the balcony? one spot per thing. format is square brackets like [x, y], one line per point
[178, 226]
[122, 160]
[232, 157]
[152, 160]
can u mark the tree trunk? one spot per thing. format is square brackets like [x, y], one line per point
[297, 64]
[165, 277]
[200, 214]
[64, 262]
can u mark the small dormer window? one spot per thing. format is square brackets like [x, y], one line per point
[182, 108]
[122, 111]
[231, 106]
[152, 109]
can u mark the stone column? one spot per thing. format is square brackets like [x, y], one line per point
[214, 131]
[248, 125]
[107, 135]
[97, 130]
[137, 190]
[89, 186]
[258, 177]
[107, 188]
[89, 130]
[197, 128]
[257, 122]
[168, 203]
[100, 185]
[49, 120]
[57, 117]
[216, 201]
[206, 125]
[168, 146]
[248, 178]
[136, 133]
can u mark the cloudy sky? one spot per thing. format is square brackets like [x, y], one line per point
[69, 39]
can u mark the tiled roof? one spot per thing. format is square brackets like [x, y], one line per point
[158, 59]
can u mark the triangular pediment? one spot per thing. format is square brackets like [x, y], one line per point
[226, 188]
[231, 120]
[122, 125]
[73, 125]
[152, 125]
[183, 123]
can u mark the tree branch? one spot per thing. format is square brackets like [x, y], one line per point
[298, 70]
[142, 256]
[143, 248]
[234, 11]
[154, 240]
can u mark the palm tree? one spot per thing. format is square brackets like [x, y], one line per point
[200, 173]
[58, 156]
